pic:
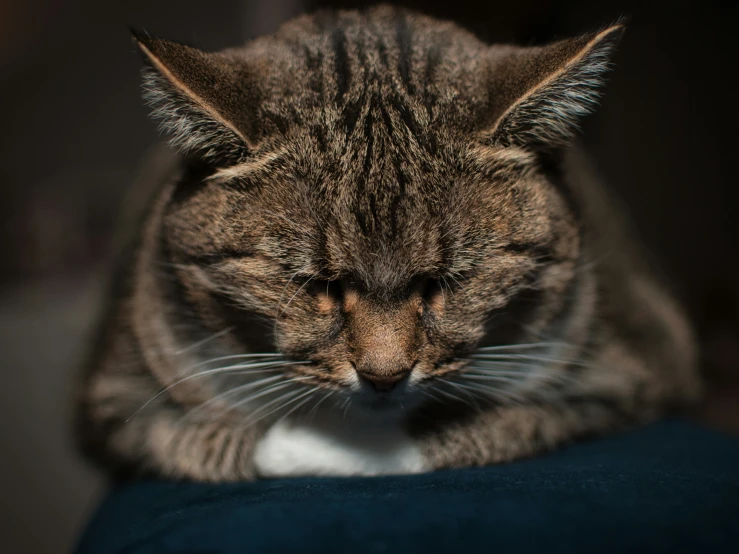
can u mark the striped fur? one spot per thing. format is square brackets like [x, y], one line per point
[376, 226]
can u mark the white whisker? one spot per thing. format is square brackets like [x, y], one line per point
[314, 410]
[282, 295]
[209, 372]
[264, 392]
[431, 396]
[493, 391]
[452, 383]
[231, 357]
[206, 340]
[294, 295]
[289, 396]
[524, 346]
[496, 370]
[309, 394]
[230, 392]
[446, 284]
[443, 295]
[450, 395]
[499, 378]
[283, 397]
[459, 284]
[513, 357]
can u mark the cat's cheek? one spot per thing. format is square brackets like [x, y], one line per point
[291, 449]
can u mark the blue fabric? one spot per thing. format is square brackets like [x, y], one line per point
[671, 487]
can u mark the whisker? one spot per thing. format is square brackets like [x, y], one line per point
[206, 340]
[493, 370]
[209, 372]
[515, 370]
[289, 395]
[428, 393]
[230, 392]
[344, 403]
[446, 284]
[450, 395]
[284, 396]
[250, 369]
[495, 366]
[231, 357]
[294, 295]
[524, 346]
[493, 391]
[548, 337]
[278, 386]
[309, 394]
[512, 357]
[314, 410]
[472, 398]
[498, 378]
[523, 377]
[443, 295]
[282, 295]
[474, 393]
[459, 284]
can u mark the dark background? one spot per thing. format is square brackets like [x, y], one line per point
[74, 133]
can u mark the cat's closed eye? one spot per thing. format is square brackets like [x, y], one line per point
[329, 294]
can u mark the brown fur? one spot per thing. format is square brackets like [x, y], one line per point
[378, 193]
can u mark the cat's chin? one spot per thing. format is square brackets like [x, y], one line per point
[381, 408]
[377, 412]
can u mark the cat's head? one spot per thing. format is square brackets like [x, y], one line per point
[375, 193]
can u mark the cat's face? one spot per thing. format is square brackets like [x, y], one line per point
[380, 304]
[376, 220]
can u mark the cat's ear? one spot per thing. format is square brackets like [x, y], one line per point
[203, 101]
[539, 94]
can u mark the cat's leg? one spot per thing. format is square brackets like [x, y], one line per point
[124, 422]
[508, 433]
[618, 389]
[169, 444]
[214, 451]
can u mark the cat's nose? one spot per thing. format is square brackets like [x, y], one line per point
[382, 383]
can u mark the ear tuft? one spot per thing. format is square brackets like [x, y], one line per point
[198, 98]
[138, 36]
[568, 76]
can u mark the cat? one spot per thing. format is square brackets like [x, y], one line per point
[378, 250]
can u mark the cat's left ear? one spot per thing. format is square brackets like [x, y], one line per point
[539, 94]
[204, 101]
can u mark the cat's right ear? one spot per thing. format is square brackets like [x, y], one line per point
[539, 94]
[202, 100]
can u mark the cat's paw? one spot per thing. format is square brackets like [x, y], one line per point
[291, 449]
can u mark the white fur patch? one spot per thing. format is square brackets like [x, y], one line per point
[336, 447]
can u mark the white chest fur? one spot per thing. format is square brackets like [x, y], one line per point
[334, 446]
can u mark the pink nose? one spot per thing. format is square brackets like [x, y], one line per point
[382, 382]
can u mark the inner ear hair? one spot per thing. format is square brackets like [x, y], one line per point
[199, 99]
[542, 93]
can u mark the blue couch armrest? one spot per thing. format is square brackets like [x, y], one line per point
[670, 487]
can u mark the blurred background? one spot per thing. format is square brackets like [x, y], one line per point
[74, 134]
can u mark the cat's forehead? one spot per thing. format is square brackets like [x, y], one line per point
[350, 71]
[386, 216]
[377, 220]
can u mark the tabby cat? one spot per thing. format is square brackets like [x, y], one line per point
[376, 252]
